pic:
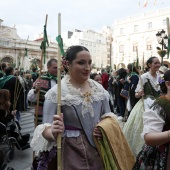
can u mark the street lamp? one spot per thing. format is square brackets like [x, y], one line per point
[162, 39]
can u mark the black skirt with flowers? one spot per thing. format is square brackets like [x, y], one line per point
[152, 158]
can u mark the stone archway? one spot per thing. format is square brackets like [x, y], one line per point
[121, 65]
[8, 60]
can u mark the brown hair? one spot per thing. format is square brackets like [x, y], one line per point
[5, 99]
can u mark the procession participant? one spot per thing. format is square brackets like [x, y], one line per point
[34, 74]
[12, 83]
[97, 77]
[150, 90]
[155, 154]
[120, 100]
[29, 83]
[130, 84]
[8, 117]
[163, 69]
[2, 68]
[46, 82]
[111, 88]
[105, 78]
[22, 80]
[83, 101]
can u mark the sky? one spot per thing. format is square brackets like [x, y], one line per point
[29, 15]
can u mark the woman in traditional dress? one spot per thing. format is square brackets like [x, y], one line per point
[130, 85]
[84, 101]
[96, 77]
[155, 154]
[150, 90]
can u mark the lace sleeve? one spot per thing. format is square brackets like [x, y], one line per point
[39, 143]
[52, 94]
[139, 88]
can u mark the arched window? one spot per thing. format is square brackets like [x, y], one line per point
[7, 59]
[149, 25]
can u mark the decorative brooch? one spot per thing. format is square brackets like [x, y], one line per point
[87, 95]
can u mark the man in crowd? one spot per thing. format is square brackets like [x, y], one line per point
[34, 74]
[2, 68]
[12, 83]
[43, 84]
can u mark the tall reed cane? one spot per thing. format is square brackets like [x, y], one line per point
[59, 156]
[141, 84]
[140, 78]
[168, 26]
[38, 94]
[39, 78]
[168, 31]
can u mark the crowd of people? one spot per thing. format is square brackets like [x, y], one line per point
[91, 105]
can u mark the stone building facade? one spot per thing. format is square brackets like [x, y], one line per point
[138, 33]
[12, 49]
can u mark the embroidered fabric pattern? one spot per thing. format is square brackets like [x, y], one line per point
[154, 82]
[86, 105]
[73, 96]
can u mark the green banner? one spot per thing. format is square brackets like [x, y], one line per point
[44, 43]
[60, 43]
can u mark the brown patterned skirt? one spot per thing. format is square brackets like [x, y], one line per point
[77, 154]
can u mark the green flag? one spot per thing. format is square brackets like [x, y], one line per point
[137, 63]
[26, 52]
[60, 43]
[44, 43]
[168, 50]
[19, 63]
[137, 59]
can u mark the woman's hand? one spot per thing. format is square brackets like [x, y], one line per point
[122, 81]
[139, 94]
[14, 112]
[57, 125]
[37, 87]
[114, 81]
[97, 133]
[129, 79]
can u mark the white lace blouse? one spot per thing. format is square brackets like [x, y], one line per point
[154, 81]
[71, 96]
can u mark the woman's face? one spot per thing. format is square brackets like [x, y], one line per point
[128, 70]
[81, 66]
[98, 79]
[167, 83]
[154, 66]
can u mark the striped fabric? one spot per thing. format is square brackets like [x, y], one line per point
[45, 86]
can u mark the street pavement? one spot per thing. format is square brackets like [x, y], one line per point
[23, 159]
